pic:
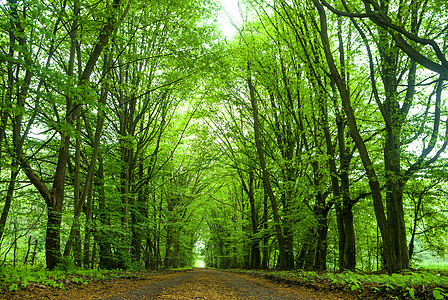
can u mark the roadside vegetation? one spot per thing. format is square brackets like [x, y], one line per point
[404, 285]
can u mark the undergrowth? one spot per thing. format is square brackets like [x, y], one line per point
[406, 285]
[12, 279]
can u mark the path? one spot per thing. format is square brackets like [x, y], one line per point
[195, 284]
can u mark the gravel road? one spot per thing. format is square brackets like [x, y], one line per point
[190, 284]
[212, 284]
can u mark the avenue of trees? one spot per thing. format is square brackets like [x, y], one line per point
[132, 131]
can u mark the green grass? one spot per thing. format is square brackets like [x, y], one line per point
[435, 266]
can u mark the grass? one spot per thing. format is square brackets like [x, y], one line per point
[440, 266]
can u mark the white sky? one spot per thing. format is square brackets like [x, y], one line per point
[230, 12]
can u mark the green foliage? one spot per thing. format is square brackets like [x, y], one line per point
[414, 285]
[433, 265]
[14, 278]
[65, 264]
[439, 293]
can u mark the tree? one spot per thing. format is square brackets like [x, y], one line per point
[394, 114]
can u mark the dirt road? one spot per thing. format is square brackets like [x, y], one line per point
[195, 284]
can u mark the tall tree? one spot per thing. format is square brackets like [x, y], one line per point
[54, 196]
[394, 111]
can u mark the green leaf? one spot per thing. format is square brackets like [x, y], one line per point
[411, 292]
[13, 287]
[438, 295]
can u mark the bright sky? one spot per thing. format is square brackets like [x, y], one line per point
[230, 12]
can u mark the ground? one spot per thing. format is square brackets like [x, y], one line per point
[191, 284]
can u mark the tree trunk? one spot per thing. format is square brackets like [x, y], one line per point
[88, 229]
[390, 253]
[102, 235]
[75, 234]
[8, 198]
[265, 251]
[282, 263]
[136, 239]
[349, 253]
[149, 255]
[169, 243]
[255, 242]
[75, 231]
[137, 214]
[54, 200]
[346, 217]
[53, 238]
[394, 116]
[321, 212]
[307, 254]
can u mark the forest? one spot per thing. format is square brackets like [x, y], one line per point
[136, 135]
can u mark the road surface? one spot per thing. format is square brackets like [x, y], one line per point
[193, 284]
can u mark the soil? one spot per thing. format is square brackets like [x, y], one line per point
[192, 284]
